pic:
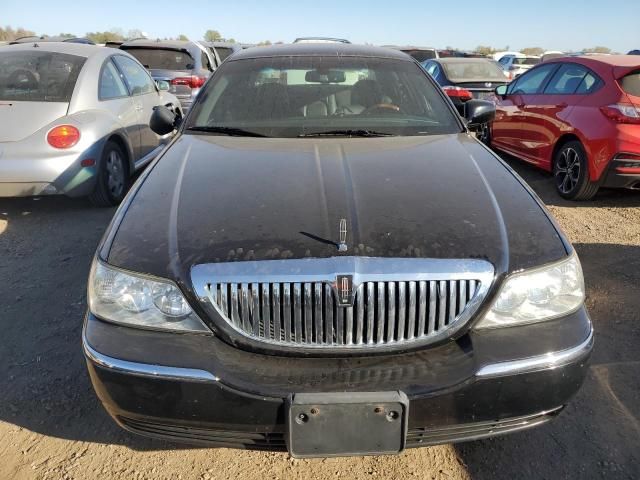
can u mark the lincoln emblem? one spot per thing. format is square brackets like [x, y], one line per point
[342, 245]
[344, 287]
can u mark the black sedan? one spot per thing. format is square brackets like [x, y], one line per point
[325, 260]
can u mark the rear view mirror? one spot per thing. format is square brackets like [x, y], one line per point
[325, 76]
[501, 90]
[163, 120]
[478, 112]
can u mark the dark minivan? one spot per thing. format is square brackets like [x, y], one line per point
[185, 65]
[325, 260]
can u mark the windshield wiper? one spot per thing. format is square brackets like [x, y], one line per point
[347, 133]
[231, 131]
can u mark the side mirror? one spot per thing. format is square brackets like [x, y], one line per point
[163, 85]
[479, 112]
[501, 90]
[163, 120]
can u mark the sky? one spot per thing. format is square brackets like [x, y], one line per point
[550, 24]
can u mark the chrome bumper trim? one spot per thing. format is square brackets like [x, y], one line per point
[542, 362]
[145, 369]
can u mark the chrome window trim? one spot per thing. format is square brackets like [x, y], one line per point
[362, 269]
[145, 369]
[547, 361]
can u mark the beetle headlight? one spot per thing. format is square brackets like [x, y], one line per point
[136, 300]
[538, 294]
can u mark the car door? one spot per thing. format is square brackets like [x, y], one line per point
[549, 110]
[145, 96]
[114, 96]
[511, 129]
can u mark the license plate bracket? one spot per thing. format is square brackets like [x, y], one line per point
[346, 423]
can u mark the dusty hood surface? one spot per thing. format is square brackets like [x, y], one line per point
[221, 199]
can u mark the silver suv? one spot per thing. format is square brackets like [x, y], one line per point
[185, 65]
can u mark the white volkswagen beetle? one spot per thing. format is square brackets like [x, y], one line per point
[75, 120]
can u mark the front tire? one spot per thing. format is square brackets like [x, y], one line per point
[113, 177]
[484, 134]
[571, 173]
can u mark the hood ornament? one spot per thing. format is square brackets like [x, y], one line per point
[342, 245]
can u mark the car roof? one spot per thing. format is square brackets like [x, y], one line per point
[463, 60]
[409, 47]
[223, 44]
[319, 49]
[613, 60]
[78, 49]
[177, 44]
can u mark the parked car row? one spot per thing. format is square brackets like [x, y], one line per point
[75, 120]
[577, 117]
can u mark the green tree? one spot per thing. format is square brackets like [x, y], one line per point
[104, 37]
[135, 33]
[182, 36]
[264, 43]
[532, 51]
[597, 50]
[66, 35]
[8, 33]
[212, 36]
[485, 50]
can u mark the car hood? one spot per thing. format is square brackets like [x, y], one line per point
[227, 199]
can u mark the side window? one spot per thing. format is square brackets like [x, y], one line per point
[137, 77]
[590, 83]
[111, 85]
[530, 83]
[431, 68]
[566, 80]
[205, 62]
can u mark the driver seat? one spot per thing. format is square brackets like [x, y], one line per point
[365, 94]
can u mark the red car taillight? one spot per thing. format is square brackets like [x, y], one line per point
[622, 113]
[63, 136]
[192, 81]
[458, 92]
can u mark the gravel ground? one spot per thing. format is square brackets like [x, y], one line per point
[52, 425]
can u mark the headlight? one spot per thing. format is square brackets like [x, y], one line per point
[136, 300]
[539, 294]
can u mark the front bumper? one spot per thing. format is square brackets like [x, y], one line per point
[199, 390]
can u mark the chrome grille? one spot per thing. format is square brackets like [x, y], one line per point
[406, 308]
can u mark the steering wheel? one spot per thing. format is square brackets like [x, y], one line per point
[381, 107]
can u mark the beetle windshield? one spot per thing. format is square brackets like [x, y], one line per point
[313, 95]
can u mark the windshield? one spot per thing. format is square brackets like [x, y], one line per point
[465, 71]
[38, 76]
[526, 61]
[224, 52]
[295, 96]
[162, 58]
[421, 55]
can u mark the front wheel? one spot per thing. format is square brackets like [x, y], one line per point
[571, 173]
[113, 177]
[484, 134]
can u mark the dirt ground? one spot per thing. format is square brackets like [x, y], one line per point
[52, 426]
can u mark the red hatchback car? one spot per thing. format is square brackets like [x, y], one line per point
[578, 117]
